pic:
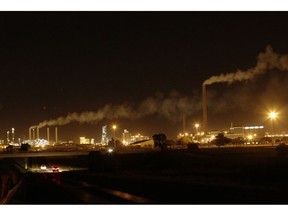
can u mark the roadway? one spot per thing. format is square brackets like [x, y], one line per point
[53, 188]
[42, 186]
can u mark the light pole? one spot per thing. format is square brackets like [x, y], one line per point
[272, 115]
[13, 130]
[197, 126]
[114, 129]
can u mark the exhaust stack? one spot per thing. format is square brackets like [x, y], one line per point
[204, 107]
[30, 134]
[37, 130]
[48, 135]
[33, 132]
[56, 135]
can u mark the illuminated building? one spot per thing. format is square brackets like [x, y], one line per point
[40, 142]
[84, 140]
[8, 140]
[104, 138]
[13, 130]
[126, 137]
[139, 137]
[245, 131]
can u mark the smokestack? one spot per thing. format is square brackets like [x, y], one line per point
[37, 133]
[48, 135]
[204, 103]
[33, 131]
[30, 136]
[184, 123]
[56, 134]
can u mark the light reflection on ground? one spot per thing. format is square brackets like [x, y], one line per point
[49, 170]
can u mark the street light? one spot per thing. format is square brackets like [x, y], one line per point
[114, 129]
[197, 126]
[272, 115]
[8, 140]
[13, 130]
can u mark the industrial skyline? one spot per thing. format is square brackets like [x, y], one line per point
[79, 71]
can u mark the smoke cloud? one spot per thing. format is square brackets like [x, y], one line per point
[171, 108]
[265, 61]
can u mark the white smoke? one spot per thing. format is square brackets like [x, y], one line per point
[171, 108]
[265, 61]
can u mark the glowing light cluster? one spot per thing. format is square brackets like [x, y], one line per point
[40, 142]
[253, 127]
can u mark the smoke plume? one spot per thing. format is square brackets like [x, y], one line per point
[171, 108]
[265, 61]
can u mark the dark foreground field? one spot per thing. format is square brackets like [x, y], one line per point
[207, 176]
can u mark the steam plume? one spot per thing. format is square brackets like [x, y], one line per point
[265, 61]
[170, 108]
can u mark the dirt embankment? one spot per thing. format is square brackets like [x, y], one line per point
[10, 178]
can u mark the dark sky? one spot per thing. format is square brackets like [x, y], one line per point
[56, 63]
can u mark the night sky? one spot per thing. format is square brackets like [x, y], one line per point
[140, 70]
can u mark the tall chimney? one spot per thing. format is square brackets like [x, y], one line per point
[48, 135]
[33, 130]
[184, 123]
[30, 136]
[37, 128]
[56, 134]
[204, 103]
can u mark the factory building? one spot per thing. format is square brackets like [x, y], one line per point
[138, 137]
[104, 138]
[128, 138]
[84, 140]
[245, 132]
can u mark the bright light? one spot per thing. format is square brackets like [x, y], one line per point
[196, 125]
[250, 137]
[114, 129]
[110, 150]
[273, 115]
